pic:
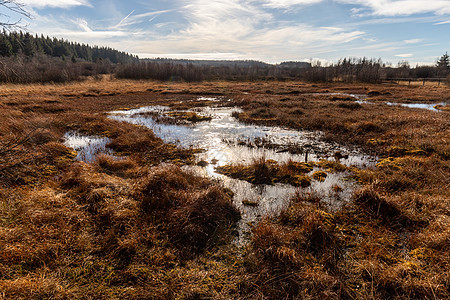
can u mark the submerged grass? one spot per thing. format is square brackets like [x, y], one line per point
[263, 171]
[136, 226]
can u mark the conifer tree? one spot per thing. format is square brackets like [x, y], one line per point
[29, 47]
[14, 43]
[5, 46]
[443, 61]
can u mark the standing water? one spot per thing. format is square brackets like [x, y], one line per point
[87, 147]
[221, 139]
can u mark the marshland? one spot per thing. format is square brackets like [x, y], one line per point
[117, 188]
[226, 150]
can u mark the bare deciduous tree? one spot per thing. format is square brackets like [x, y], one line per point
[14, 7]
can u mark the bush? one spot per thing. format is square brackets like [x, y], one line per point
[42, 68]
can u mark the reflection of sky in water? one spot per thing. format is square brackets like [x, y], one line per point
[215, 136]
[418, 105]
[211, 137]
[362, 99]
[272, 199]
[87, 147]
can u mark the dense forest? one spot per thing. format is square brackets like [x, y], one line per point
[25, 58]
[16, 43]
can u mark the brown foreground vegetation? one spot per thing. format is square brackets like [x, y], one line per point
[141, 228]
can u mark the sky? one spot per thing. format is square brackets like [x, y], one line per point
[269, 30]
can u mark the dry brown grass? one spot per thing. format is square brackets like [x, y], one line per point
[130, 228]
[91, 236]
[296, 256]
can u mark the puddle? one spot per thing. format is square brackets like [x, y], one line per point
[87, 147]
[221, 139]
[213, 99]
[362, 99]
[226, 141]
[427, 106]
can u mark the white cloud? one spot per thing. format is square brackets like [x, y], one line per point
[441, 23]
[272, 45]
[288, 3]
[403, 7]
[231, 29]
[124, 19]
[164, 24]
[233, 26]
[83, 24]
[222, 20]
[55, 3]
[413, 41]
[355, 10]
[93, 36]
[405, 55]
[240, 29]
[378, 7]
[371, 40]
[132, 19]
[77, 30]
[207, 56]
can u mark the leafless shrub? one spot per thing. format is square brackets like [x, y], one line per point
[41, 68]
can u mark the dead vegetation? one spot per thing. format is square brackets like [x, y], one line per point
[262, 171]
[136, 226]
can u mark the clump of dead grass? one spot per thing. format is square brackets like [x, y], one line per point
[296, 254]
[196, 212]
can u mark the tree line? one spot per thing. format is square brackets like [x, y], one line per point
[345, 70]
[19, 43]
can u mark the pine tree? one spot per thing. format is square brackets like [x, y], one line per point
[16, 43]
[443, 61]
[5, 46]
[29, 48]
[39, 48]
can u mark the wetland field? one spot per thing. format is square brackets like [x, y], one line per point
[121, 189]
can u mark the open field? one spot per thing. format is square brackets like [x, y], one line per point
[143, 227]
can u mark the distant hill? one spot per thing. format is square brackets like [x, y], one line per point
[228, 63]
[14, 43]
[295, 64]
[209, 63]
